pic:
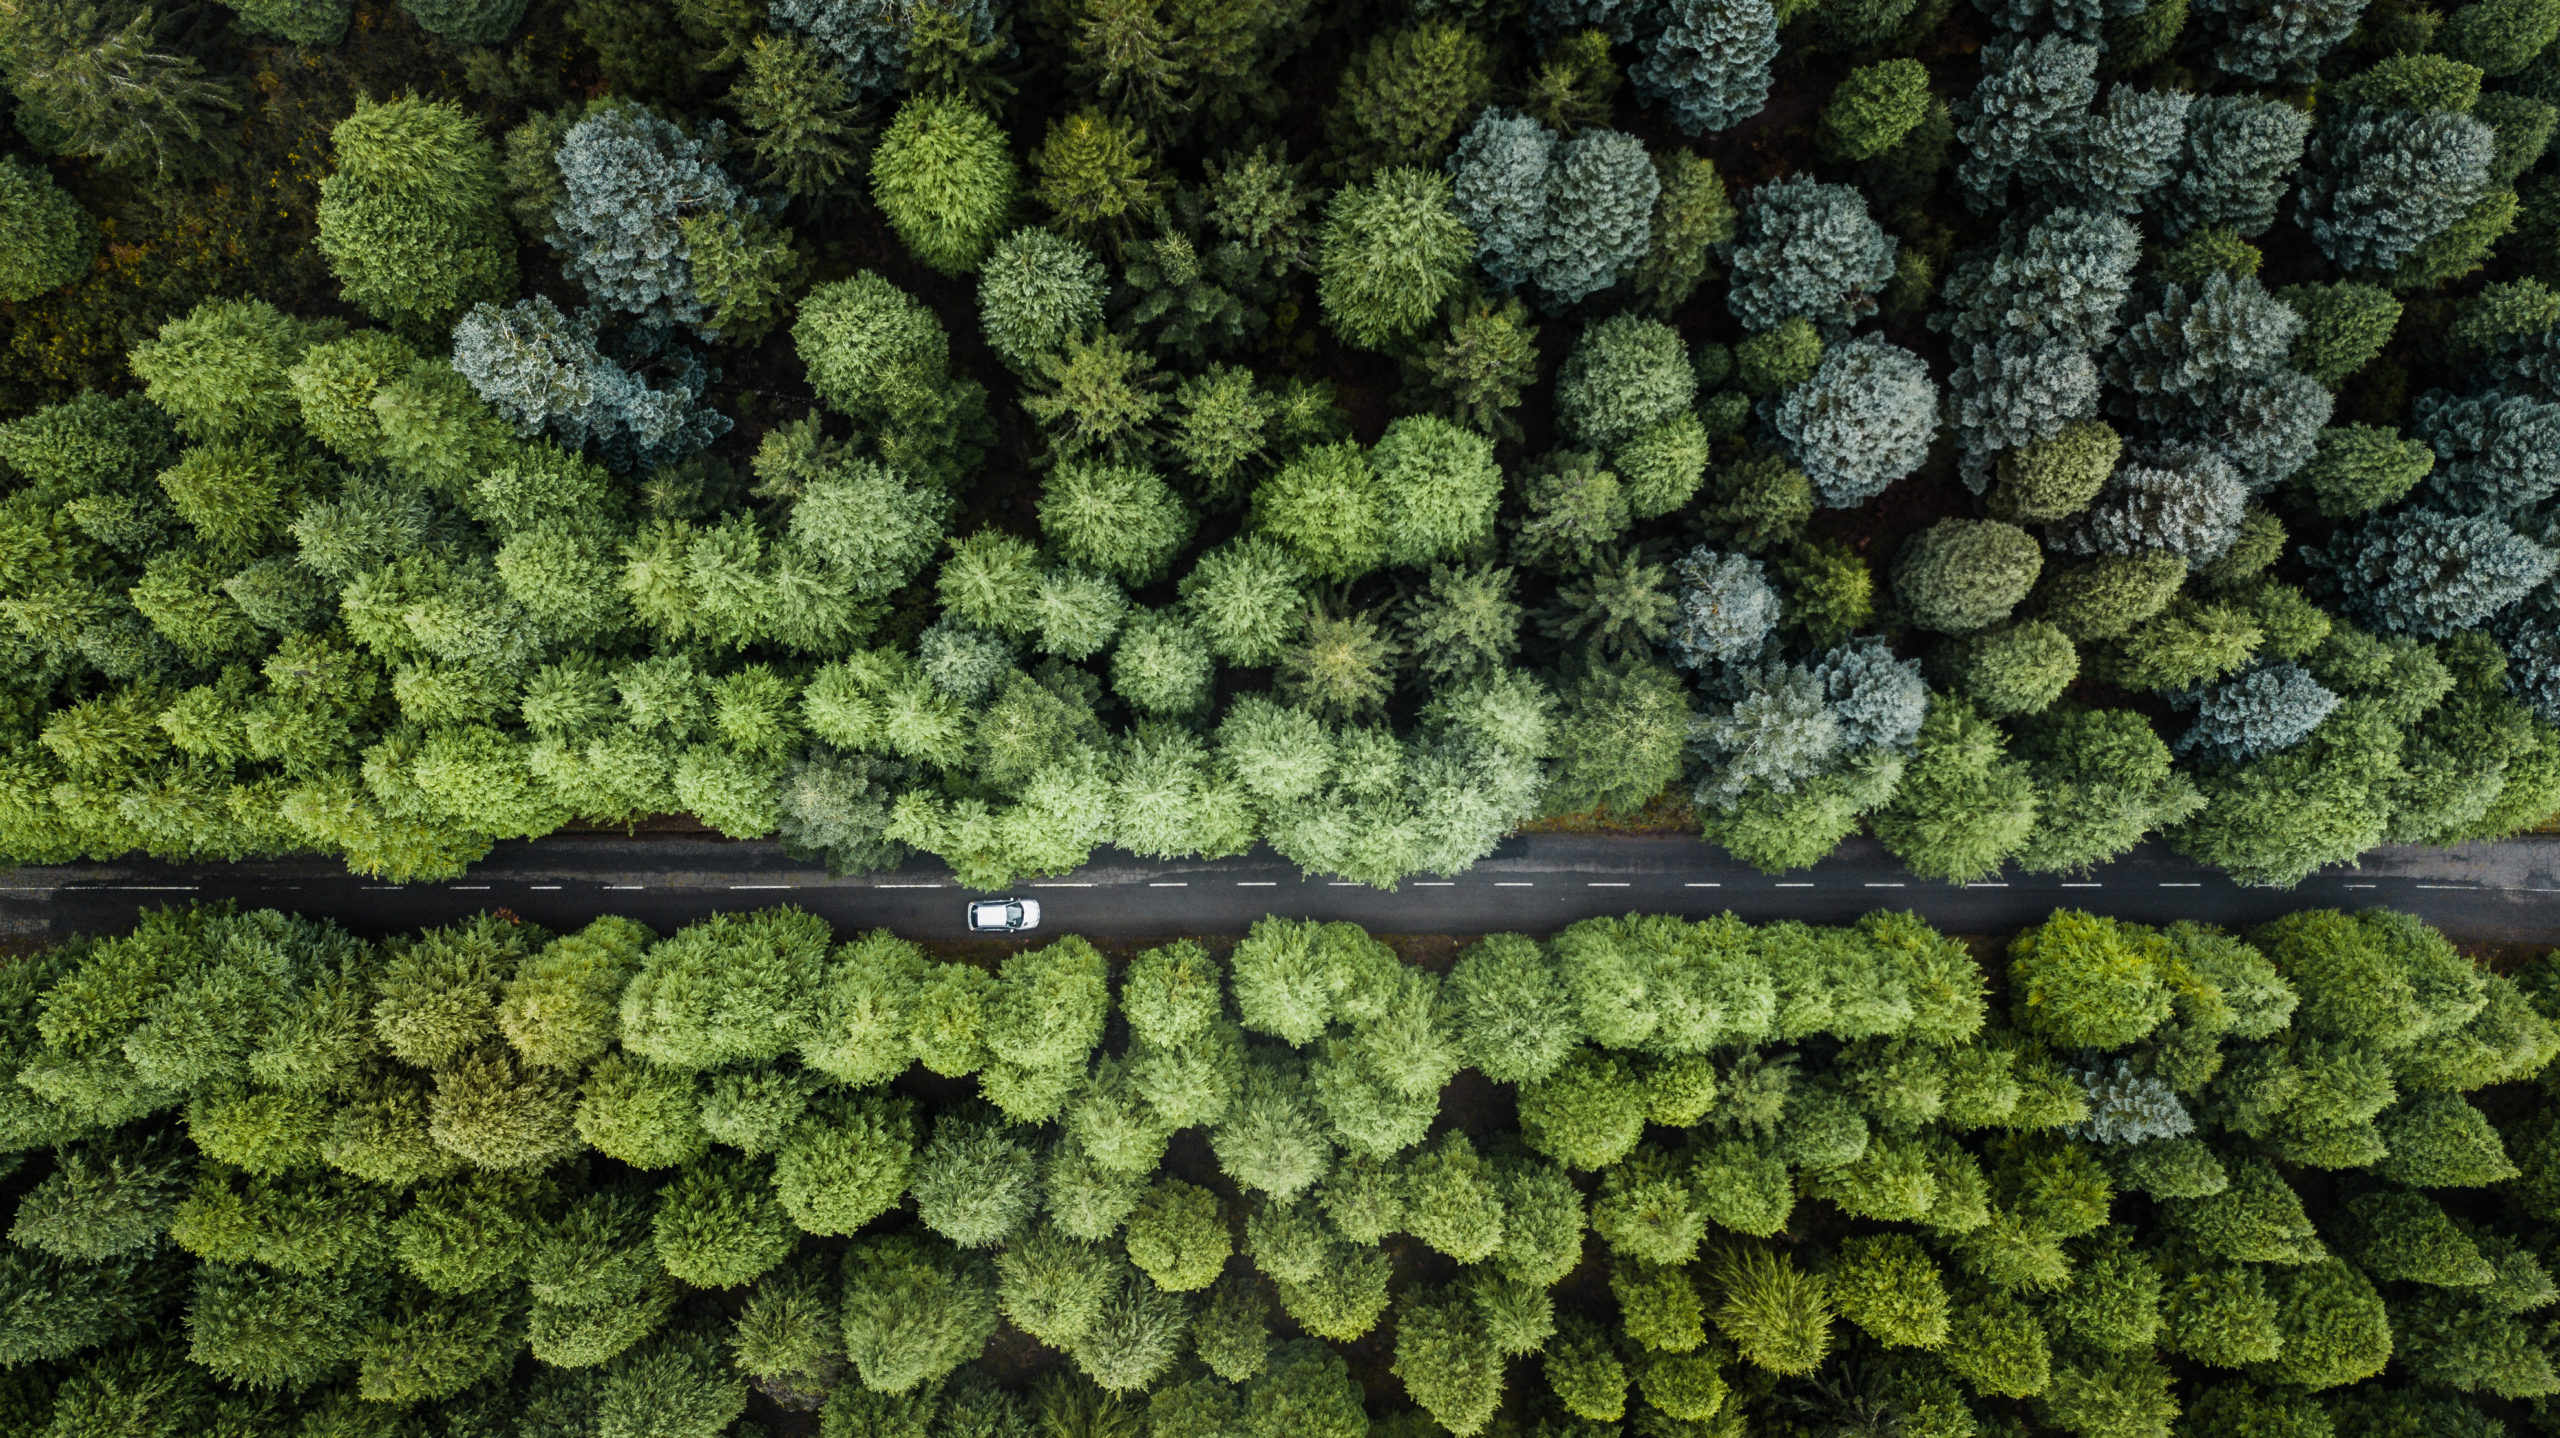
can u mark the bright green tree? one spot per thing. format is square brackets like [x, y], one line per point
[1121, 519]
[1326, 507]
[410, 220]
[1391, 252]
[1964, 807]
[945, 180]
[1438, 487]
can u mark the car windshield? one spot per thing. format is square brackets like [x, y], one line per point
[1013, 913]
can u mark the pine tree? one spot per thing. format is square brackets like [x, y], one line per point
[1709, 63]
[410, 219]
[2380, 183]
[942, 176]
[88, 84]
[48, 238]
[1807, 249]
[2239, 151]
[1391, 251]
[799, 117]
[1861, 422]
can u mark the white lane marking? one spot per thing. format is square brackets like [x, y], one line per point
[759, 886]
[380, 889]
[1169, 884]
[1702, 886]
[2197, 885]
[2368, 886]
[915, 886]
[611, 887]
[1513, 884]
[163, 888]
[545, 888]
[475, 888]
[1435, 883]
[2084, 886]
[1344, 884]
[1056, 885]
[2466, 888]
[1798, 885]
[33, 889]
[1885, 886]
[1257, 883]
[1604, 884]
[1997, 885]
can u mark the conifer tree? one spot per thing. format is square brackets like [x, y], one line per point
[410, 219]
[49, 238]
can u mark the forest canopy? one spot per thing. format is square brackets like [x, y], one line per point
[1648, 1176]
[2013, 431]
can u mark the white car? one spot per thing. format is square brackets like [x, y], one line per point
[1004, 916]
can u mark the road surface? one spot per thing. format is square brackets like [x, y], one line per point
[1535, 883]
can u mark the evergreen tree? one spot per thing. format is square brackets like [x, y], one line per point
[94, 84]
[914, 1310]
[2274, 42]
[1403, 97]
[1036, 292]
[1691, 217]
[1862, 421]
[2429, 573]
[628, 181]
[1095, 173]
[1874, 108]
[220, 371]
[797, 108]
[1964, 808]
[2239, 150]
[1809, 250]
[2381, 183]
[49, 239]
[2500, 36]
[410, 219]
[1961, 575]
[1391, 251]
[1709, 62]
[944, 180]
[1437, 484]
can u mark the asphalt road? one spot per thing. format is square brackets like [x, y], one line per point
[1535, 883]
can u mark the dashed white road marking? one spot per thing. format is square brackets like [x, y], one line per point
[759, 886]
[1801, 885]
[1513, 884]
[1604, 884]
[1169, 884]
[2189, 885]
[1257, 883]
[1886, 886]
